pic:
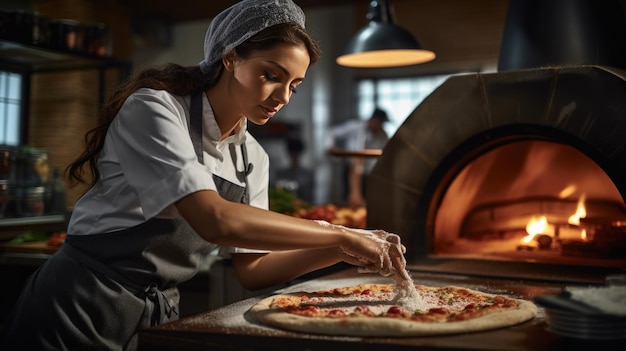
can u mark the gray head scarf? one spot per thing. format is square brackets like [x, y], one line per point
[241, 21]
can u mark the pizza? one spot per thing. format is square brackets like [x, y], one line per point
[392, 310]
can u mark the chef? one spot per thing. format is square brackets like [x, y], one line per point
[173, 175]
[358, 135]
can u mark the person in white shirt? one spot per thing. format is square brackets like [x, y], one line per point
[356, 135]
[173, 175]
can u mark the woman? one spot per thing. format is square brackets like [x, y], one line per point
[174, 175]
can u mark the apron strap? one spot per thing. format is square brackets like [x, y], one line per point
[247, 169]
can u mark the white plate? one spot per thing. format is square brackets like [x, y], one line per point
[588, 327]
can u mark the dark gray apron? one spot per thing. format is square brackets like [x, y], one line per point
[120, 281]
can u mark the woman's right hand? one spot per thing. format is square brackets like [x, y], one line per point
[375, 251]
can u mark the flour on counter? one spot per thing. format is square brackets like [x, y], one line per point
[610, 300]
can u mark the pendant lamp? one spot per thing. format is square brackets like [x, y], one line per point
[381, 43]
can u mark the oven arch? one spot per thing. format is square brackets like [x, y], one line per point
[584, 106]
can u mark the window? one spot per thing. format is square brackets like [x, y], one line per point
[10, 105]
[397, 96]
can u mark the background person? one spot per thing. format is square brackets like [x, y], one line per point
[358, 135]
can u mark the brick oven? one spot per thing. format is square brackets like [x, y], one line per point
[523, 171]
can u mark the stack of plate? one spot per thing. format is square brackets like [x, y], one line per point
[573, 319]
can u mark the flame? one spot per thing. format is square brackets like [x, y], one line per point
[535, 226]
[539, 224]
[569, 190]
[581, 212]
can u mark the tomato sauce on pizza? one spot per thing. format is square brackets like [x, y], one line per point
[381, 309]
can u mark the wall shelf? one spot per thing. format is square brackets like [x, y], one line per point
[29, 60]
[26, 58]
[48, 219]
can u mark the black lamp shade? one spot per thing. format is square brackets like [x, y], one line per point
[383, 44]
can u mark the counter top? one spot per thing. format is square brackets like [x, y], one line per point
[26, 254]
[35, 247]
[231, 328]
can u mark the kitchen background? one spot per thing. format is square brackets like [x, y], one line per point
[63, 102]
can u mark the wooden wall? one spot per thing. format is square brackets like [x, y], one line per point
[458, 31]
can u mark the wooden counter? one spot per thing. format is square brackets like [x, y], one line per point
[35, 247]
[231, 328]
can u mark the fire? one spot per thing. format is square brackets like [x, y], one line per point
[581, 212]
[539, 225]
[569, 190]
[535, 226]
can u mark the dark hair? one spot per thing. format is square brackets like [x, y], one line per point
[380, 114]
[295, 145]
[177, 80]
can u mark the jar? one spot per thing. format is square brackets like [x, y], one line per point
[32, 164]
[7, 163]
[98, 40]
[55, 194]
[24, 27]
[33, 202]
[65, 35]
[5, 197]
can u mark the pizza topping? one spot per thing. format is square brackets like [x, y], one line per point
[438, 310]
[471, 306]
[363, 310]
[430, 304]
[394, 310]
[336, 313]
[370, 310]
[305, 310]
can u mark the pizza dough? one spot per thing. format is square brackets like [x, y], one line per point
[372, 310]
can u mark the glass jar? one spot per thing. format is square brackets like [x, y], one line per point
[98, 40]
[7, 163]
[5, 197]
[65, 35]
[33, 202]
[33, 169]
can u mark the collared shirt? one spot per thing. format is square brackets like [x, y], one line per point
[354, 135]
[148, 163]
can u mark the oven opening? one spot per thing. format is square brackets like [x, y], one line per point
[488, 158]
[532, 201]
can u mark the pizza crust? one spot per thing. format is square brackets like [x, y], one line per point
[386, 326]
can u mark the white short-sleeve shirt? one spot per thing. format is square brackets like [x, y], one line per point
[148, 162]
